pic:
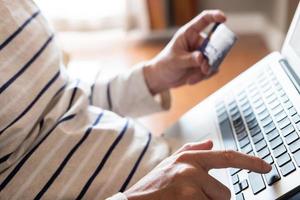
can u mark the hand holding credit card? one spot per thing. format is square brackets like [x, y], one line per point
[217, 44]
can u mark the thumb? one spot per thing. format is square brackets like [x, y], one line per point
[205, 145]
[193, 59]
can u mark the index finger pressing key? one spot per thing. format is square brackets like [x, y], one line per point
[224, 159]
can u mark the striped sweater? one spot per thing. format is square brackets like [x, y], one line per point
[61, 138]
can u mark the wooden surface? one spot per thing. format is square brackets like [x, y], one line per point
[248, 50]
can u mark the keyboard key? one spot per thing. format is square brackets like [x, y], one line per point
[256, 181]
[244, 184]
[237, 188]
[259, 102]
[258, 137]
[244, 106]
[263, 114]
[255, 131]
[283, 159]
[236, 116]
[280, 116]
[272, 135]
[240, 186]
[222, 117]
[274, 104]
[270, 127]
[233, 112]
[296, 118]
[272, 176]
[288, 104]
[266, 121]
[287, 168]
[235, 179]
[247, 149]
[250, 118]
[227, 135]
[284, 98]
[263, 153]
[237, 122]
[276, 142]
[249, 122]
[292, 111]
[239, 196]
[252, 124]
[241, 135]
[287, 130]
[260, 145]
[233, 171]
[232, 105]
[297, 158]
[291, 137]
[295, 146]
[281, 92]
[244, 142]
[240, 129]
[261, 109]
[277, 109]
[279, 150]
[269, 159]
[284, 122]
[248, 112]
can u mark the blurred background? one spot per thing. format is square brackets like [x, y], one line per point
[112, 36]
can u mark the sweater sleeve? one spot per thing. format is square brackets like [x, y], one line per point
[118, 196]
[128, 95]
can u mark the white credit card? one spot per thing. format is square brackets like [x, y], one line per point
[218, 45]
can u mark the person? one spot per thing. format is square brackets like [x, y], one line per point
[63, 139]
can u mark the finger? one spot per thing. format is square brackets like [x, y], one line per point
[213, 188]
[225, 159]
[196, 77]
[202, 195]
[193, 59]
[205, 68]
[207, 17]
[204, 145]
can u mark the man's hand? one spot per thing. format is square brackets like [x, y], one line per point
[184, 175]
[180, 62]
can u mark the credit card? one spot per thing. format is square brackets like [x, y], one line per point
[217, 44]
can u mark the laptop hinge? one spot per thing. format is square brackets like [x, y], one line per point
[291, 74]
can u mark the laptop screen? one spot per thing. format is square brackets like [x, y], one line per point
[295, 39]
[291, 46]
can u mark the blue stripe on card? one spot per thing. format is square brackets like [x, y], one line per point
[19, 30]
[103, 161]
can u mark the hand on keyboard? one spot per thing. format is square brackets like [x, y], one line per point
[184, 175]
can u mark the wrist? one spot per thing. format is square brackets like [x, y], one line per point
[152, 78]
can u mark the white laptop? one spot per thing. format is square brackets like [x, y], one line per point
[257, 113]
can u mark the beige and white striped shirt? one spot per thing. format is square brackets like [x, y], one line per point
[61, 138]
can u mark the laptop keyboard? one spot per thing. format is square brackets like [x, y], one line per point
[261, 120]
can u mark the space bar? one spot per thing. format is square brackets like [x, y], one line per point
[227, 135]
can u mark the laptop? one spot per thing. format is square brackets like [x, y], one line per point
[257, 113]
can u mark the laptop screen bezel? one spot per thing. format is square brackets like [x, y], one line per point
[287, 50]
